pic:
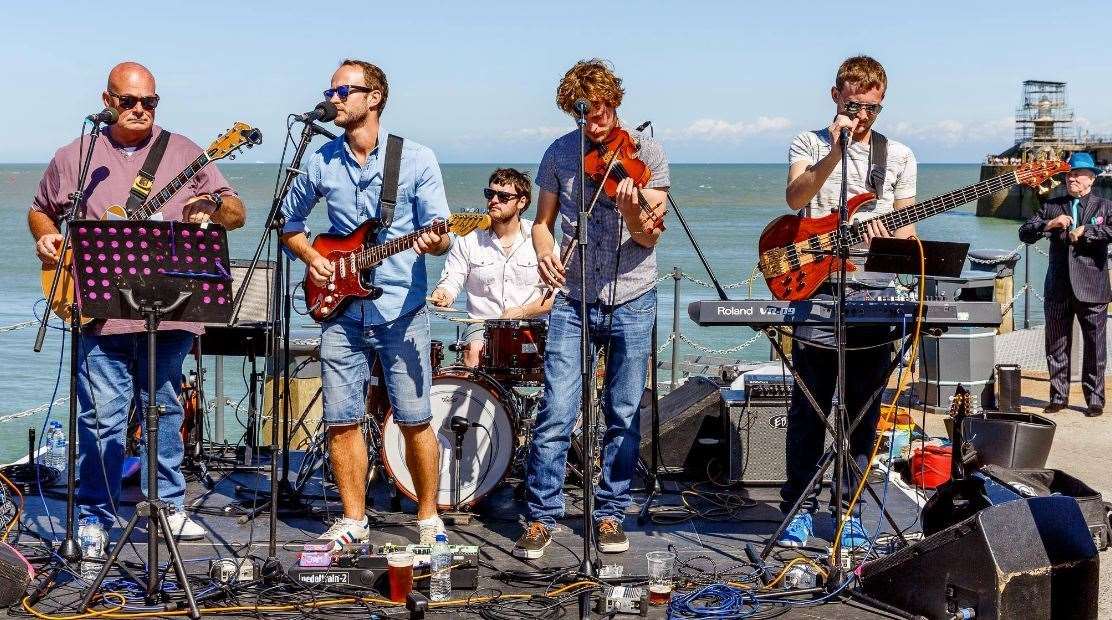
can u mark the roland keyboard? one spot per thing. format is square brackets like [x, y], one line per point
[758, 313]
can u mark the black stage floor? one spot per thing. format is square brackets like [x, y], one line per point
[704, 546]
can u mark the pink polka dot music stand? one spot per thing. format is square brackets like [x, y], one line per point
[153, 271]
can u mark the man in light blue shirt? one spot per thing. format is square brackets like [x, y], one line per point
[348, 173]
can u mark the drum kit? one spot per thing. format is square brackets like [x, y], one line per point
[482, 416]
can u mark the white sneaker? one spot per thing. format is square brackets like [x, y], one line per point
[428, 529]
[185, 528]
[346, 533]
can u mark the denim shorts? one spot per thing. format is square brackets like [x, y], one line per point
[348, 349]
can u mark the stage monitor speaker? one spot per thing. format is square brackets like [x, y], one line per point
[691, 430]
[16, 574]
[1030, 558]
[757, 442]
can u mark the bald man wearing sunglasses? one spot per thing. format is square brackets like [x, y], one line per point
[112, 358]
[497, 267]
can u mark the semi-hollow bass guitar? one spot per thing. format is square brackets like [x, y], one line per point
[796, 254]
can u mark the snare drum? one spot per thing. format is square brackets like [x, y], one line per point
[489, 442]
[514, 351]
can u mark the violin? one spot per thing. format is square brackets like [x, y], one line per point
[614, 159]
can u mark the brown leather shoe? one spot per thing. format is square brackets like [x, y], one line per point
[1054, 407]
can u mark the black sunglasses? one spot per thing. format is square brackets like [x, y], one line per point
[127, 102]
[853, 107]
[502, 196]
[345, 90]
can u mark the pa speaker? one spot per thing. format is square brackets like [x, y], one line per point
[691, 429]
[1030, 558]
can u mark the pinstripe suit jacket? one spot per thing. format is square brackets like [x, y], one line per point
[1079, 269]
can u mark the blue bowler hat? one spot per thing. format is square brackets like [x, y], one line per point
[1084, 161]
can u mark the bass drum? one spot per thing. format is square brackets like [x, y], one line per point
[488, 443]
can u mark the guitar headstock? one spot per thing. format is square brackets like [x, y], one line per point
[466, 222]
[239, 136]
[960, 404]
[1035, 173]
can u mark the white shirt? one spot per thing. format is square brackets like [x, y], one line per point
[494, 280]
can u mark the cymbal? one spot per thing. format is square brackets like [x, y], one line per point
[441, 308]
[466, 320]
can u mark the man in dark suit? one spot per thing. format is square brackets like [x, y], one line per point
[1078, 227]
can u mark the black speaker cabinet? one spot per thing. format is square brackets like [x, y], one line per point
[1030, 559]
[691, 429]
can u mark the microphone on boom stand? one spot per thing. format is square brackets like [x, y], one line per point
[107, 116]
[324, 112]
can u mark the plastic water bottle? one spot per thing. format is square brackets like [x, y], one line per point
[55, 444]
[801, 577]
[440, 584]
[92, 539]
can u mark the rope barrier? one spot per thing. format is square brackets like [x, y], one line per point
[32, 411]
[23, 325]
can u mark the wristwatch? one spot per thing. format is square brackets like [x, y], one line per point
[216, 200]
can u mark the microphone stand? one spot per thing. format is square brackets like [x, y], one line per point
[838, 402]
[69, 550]
[278, 350]
[586, 403]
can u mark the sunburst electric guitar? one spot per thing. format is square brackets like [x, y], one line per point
[795, 253]
[355, 254]
[241, 135]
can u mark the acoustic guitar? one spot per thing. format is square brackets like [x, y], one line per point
[356, 254]
[241, 135]
[796, 253]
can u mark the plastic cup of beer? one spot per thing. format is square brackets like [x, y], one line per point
[400, 573]
[661, 564]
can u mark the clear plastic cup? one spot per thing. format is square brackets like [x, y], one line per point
[400, 573]
[660, 565]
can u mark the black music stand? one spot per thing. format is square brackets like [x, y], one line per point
[885, 255]
[152, 271]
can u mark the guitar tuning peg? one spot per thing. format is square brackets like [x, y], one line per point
[1043, 190]
[1054, 183]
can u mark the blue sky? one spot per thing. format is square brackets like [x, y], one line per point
[722, 81]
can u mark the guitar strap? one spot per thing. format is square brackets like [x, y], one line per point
[388, 198]
[878, 163]
[141, 187]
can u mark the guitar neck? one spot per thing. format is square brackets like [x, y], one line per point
[155, 204]
[376, 254]
[934, 206]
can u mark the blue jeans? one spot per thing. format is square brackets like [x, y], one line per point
[347, 350]
[112, 373]
[630, 340]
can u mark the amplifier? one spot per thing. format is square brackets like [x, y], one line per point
[757, 442]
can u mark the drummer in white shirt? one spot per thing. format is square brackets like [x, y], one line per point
[497, 267]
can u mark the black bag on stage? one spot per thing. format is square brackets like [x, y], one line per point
[1046, 482]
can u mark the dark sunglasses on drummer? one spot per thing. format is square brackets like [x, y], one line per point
[343, 91]
[853, 107]
[127, 102]
[502, 196]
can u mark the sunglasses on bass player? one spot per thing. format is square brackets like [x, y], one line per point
[853, 107]
[127, 102]
[343, 91]
[502, 196]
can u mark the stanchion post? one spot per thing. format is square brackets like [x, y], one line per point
[676, 276]
[1027, 286]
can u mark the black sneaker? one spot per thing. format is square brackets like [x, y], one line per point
[532, 543]
[610, 536]
[1094, 411]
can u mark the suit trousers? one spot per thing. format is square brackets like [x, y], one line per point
[1059, 340]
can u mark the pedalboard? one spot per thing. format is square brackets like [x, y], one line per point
[361, 568]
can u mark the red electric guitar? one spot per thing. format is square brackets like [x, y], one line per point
[355, 254]
[791, 247]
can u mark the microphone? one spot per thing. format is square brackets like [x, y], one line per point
[324, 111]
[844, 135]
[642, 126]
[108, 116]
[581, 106]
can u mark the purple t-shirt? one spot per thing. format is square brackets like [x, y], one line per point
[111, 173]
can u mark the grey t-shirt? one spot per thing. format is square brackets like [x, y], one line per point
[636, 275]
[899, 174]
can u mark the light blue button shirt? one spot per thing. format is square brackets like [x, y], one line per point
[351, 193]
